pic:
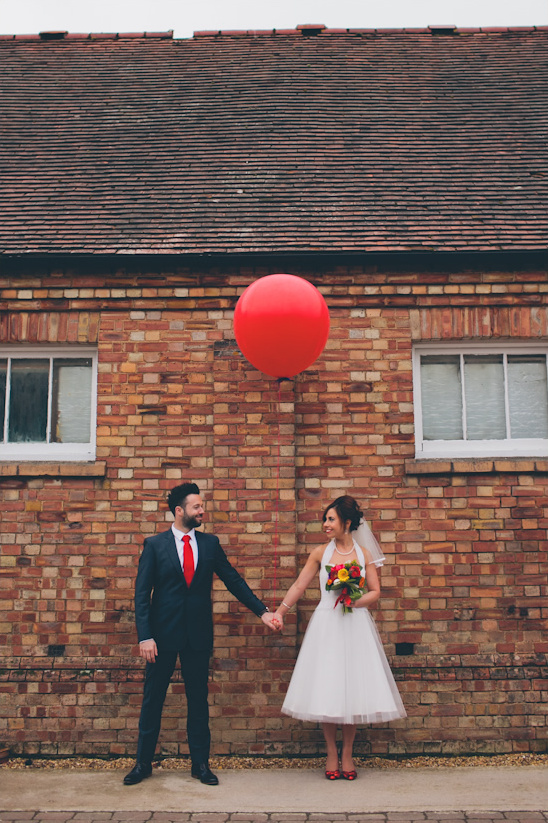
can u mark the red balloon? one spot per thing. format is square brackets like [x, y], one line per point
[281, 324]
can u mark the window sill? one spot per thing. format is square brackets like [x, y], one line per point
[477, 465]
[53, 469]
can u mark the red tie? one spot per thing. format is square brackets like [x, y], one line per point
[188, 560]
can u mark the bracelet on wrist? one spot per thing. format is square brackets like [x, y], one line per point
[287, 607]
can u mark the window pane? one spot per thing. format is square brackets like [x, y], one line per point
[3, 370]
[71, 402]
[441, 397]
[28, 415]
[484, 391]
[528, 395]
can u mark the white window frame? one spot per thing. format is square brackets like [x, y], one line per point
[25, 452]
[431, 449]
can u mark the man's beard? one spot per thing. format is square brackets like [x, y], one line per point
[191, 522]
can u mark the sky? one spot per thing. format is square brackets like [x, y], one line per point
[188, 16]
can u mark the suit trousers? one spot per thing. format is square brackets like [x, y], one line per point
[195, 673]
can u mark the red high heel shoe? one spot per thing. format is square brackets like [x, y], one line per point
[349, 775]
[335, 775]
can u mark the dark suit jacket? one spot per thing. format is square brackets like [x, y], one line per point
[169, 611]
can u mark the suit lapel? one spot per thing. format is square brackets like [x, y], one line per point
[202, 552]
[171, 550]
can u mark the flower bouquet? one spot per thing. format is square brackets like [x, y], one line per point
[347, 581]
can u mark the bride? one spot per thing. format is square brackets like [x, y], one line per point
[341, 677]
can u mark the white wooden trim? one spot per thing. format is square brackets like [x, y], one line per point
[506, 395]
[463, 415]
[431, 449]
[50, 400]
[8, 395]
[483, 448]
[26, 452]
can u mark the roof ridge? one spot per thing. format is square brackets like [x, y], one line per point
[307, 30]
[300, 31]
[67, 35]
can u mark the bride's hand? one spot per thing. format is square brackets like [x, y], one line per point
[278, 619]
[272, 621]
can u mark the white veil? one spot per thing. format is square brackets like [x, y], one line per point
[365, 538]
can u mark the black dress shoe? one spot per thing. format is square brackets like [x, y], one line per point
[138, 773]
[203, 773]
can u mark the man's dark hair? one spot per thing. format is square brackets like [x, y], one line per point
[179, 494]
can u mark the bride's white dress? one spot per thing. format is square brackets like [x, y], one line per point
[342, 674]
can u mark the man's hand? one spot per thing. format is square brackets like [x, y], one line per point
[278, 618]
[148, 650]
[272, 621]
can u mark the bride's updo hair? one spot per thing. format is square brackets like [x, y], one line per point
[347, 509]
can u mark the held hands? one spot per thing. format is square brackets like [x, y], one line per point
[278, 618]
[148, 650]
[273, 621]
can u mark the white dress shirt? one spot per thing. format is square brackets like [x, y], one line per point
[178, 535]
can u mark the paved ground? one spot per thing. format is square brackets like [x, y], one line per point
[446, 795]
[272, 817]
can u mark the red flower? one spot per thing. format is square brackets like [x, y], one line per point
[345, 580]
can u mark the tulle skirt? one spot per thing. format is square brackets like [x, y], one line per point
[342, 675]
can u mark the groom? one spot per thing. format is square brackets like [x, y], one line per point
[174, 620]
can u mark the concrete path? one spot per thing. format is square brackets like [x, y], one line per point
[294, 794]
[273, 817]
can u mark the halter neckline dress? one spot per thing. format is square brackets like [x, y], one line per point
[342, 675]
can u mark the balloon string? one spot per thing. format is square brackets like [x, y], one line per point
[275, 581]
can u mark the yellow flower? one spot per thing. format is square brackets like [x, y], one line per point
[343, 575]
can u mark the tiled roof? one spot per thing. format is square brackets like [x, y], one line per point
[291, 141]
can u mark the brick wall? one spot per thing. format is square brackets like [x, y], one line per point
[465, 581]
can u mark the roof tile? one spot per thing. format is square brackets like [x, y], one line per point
[245, 142]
